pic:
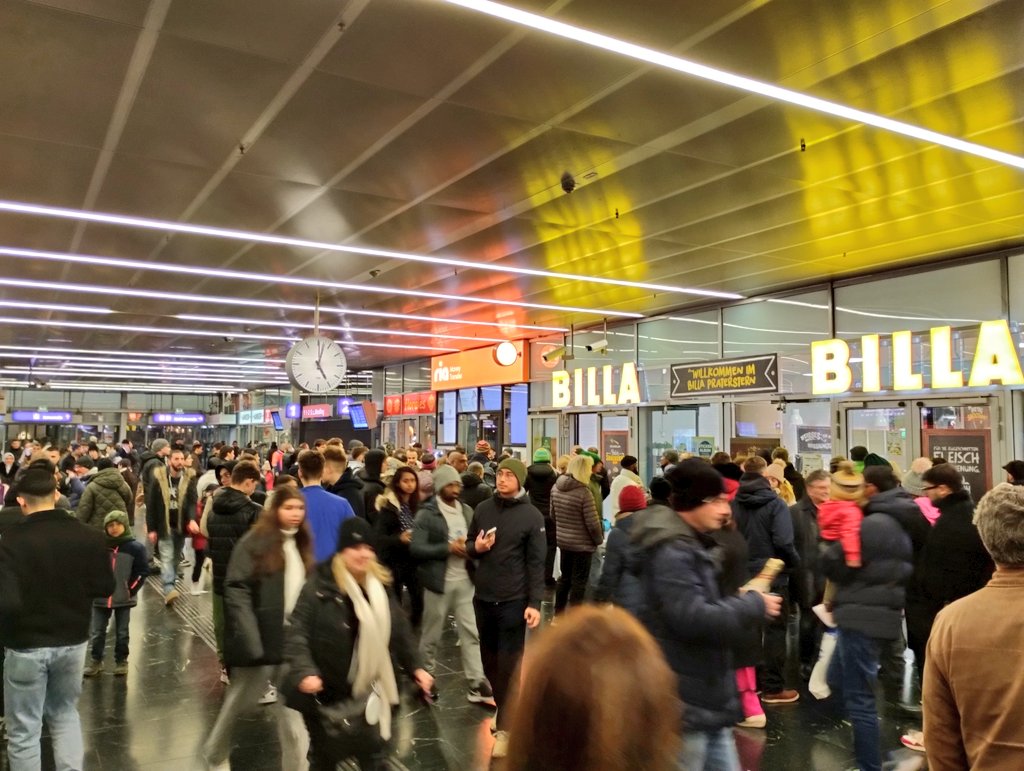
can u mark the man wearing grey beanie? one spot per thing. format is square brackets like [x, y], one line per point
[439, 543]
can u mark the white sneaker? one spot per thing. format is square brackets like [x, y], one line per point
[269, 696]
[500, 749]
[224, 676]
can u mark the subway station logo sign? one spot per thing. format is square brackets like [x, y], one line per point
[995, 361]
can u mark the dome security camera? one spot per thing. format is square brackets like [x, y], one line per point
[568, 182]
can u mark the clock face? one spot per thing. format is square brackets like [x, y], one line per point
[316, 364]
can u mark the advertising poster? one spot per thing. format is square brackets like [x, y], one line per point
[702, 446]
[814, 439]
[613, 449]
[969, 452]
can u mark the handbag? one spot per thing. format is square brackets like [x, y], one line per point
[345, 728]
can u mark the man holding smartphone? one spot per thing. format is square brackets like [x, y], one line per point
[506, 538]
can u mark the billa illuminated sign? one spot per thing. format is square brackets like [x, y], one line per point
[589, 388]
[995, 360]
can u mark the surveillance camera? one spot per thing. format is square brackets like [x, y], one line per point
[554, 354]
[568, 182]
[600, 346]
[228, 339]
[374, 273]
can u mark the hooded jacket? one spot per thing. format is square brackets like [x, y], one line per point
[807, 585]
[474, 490]
[429, 544]
[158, 501]
[540, 478]
[388, 530]
[106, 492]
[577, 523]
[681, 605]
[618, 582]
[232, 513]
[764, 519]
[349, 487]
[954, 562]
[369, 476]
[513, 569]
[129, 563]
[321, 641]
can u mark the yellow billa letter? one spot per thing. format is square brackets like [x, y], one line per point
[561, 391]
[830, 367]
[577, 387]
[995, 358]
[903, 376]
[629, 387]
[593, 397]
[871, 364]
[943, 375]
[607, 393]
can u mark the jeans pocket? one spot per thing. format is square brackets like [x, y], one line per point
[23, 668]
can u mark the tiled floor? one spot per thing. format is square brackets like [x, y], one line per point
[156, 718]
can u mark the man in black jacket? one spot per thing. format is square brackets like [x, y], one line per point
[171, 515]
[474, 489]
[764, 519]
[867, 607]
[232, 513]
[807, 584]
[506, 536]
[52, 567]
[373, 486]
[341, 480]
[540, 478]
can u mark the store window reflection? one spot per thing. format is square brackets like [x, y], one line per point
[675, 340]
[803, 428]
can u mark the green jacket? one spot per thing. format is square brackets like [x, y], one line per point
[430, 543]
[106, 492]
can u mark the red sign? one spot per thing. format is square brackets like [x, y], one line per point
[421, 403]
[393, 404]
[314, 411]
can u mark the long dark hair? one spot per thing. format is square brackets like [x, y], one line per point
[268, 540]
[414, 496]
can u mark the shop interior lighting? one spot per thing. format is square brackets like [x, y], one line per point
[135, 292]
[266, 278]
[688, 67]
[385, 254]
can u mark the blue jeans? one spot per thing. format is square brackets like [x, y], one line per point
[852, 675]
[709, 751]
[43, 683]
[98, 632]
[170, 547]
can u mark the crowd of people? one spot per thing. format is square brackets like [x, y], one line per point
[334, 571]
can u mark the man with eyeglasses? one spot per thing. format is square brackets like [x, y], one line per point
[681, 606]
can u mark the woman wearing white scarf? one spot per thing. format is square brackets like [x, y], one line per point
[344, 630]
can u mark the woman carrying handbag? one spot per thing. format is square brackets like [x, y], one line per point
[345, 633]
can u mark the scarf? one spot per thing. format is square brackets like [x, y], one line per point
[294, 571]
[371, 668]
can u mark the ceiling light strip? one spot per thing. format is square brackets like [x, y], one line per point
[135, 292]
[263, 278]
[173, 357]
[302, 243]
[53, 306]
[51, 371]
[685, 66]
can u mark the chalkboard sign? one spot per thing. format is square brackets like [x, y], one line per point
[969, 452]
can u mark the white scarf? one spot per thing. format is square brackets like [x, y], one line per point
[371, 663]
[294, 571]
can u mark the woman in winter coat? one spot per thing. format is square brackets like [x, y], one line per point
[396, 511]
[614, 585]
[130, 565]
[578, 529]
[345, 635]
[265, 575]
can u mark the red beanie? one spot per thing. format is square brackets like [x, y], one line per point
[632, 498]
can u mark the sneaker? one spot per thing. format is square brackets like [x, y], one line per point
[500, 748]
[224, 676]
[780, 697]
[170, 597]
[913, 740]
[269, 696]
[94, 669]
[754, 721]
[197, 588]
[481, 694]
[121, 668]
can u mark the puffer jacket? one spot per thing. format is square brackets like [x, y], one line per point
[870, 598]
[540, 478]
[253, 609]
[474, 490]
[954, 562]
[763, 518]
[106, 492]
[683, 608]
[321, 641]
[130, 566]
[577, 525]
[232, 513]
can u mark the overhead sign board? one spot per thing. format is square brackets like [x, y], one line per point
[995, 359]
[40, 416]
[317, 411]
[751, 375]
[493, 365]
[178, 418]
[596, 386]
[293, 410]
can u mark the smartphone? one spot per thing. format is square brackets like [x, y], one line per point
[491, 532]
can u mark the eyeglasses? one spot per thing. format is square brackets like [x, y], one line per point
[716, 499]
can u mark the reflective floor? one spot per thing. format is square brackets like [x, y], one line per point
[157, 716]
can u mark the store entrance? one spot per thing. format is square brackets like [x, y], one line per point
[966, 432]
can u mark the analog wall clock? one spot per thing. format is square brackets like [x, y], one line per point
[316, 364]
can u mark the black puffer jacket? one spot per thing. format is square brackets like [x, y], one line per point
[900, 505]
[321, 641]
[231, 515]
[807, 584]
[763, 518]
[870, 599]
[540, 478]
[577, 523]
[954, 562]
[474, 490]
